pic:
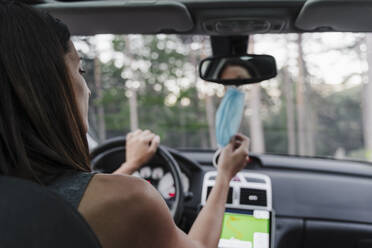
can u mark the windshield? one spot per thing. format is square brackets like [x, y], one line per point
[320, 104]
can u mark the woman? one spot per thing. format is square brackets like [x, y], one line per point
[237, 69]
[43, 125]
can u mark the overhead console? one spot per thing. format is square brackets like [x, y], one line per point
[242, 21]
[242, 17]
[243, 25]
[335, 15]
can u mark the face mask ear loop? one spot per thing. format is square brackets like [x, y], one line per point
[216, 156]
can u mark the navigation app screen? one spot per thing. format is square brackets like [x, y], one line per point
[248, 229]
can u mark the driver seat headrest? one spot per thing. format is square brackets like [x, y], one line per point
[31, 216]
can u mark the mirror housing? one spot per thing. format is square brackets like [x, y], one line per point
[238, 70]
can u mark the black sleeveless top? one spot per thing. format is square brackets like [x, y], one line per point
[71, 186]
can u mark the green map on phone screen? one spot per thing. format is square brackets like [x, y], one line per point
[242, 226]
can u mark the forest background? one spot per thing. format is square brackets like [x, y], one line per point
[320, 104]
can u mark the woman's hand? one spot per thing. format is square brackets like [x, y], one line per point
[140, 147]
[234, 156]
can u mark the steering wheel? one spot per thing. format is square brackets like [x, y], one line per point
[107, 157]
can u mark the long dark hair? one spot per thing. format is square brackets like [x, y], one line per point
[41, 130]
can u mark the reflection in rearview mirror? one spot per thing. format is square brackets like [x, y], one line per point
[238, 70]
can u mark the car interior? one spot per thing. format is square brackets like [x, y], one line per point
[312, 201]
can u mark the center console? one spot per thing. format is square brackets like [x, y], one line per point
[248, 218]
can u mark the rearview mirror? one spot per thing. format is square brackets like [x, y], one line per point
[238, 70]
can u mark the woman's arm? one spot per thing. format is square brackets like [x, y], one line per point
[158, 225]
[207, 227]
[126, 211]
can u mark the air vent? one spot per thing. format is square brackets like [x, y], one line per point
[255, 197]
[247, 191]
[229, 197]
[277, 25]
[254, 180]
[212, 178]
[239, 26]
[242, 26]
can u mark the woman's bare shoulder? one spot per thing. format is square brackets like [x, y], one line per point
[106, 189]
[126, 210]
[109, 205]
[113, 180]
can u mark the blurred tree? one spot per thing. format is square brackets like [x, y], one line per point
[256, 127]
[340, 119]
[301, 100]
[367, 101]
[161, 73]
[132, 94]
[171, 99]
[287, 91]
[99, 92]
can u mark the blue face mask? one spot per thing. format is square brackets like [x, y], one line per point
[229, 116]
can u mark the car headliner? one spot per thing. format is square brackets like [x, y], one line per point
[204, 16]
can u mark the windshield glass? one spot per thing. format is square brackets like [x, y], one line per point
[320, 104]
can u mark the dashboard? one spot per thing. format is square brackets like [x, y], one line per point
[315, 202]
[162, 180]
